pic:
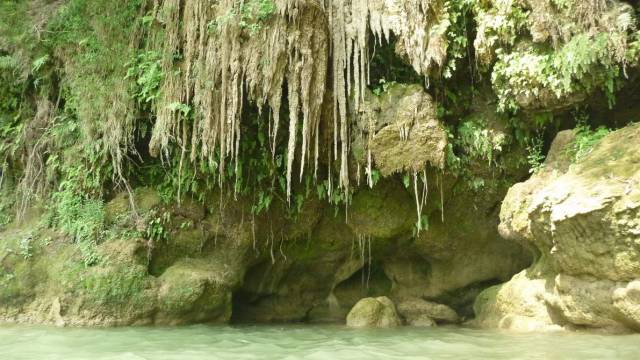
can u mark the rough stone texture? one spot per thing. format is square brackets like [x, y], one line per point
[401, 130]
[369, 213]
[627, 301]
[515, 305]
[321, 276]
[219, 263]
[373, 312]
[127, 286]
[419, 312]
[583, 222]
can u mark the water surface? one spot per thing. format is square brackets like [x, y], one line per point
[304, 342]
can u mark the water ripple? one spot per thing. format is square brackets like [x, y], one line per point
[304, 342]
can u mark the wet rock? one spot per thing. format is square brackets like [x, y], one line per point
[627, 301]
[194, 292]
[373, 312]
[418, 312]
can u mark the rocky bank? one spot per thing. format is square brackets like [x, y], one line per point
[582, 223]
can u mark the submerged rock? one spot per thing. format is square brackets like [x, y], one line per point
[582, 220]
[373, 312]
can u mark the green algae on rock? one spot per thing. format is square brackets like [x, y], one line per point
[582, 221]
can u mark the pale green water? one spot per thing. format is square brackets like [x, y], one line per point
[304, 342]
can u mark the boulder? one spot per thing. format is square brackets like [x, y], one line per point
[419, 312]
[401, 130]
[582, 221]
[377, 312]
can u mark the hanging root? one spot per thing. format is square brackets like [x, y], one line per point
[421, 192]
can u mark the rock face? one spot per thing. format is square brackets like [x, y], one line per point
[215, 266]
[217, 262]
[582, 220]
[401, 131]
[373, 312]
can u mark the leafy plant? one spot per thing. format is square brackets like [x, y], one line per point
[535, 157]
[78, 215]
[156, 227]
[586, 140]
[480, 142]
[146, 70]
[382, 87]
[582, 65]
[26, 247]
[251, 15]
[181, 108]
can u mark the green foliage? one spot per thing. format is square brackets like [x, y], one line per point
[157, 226]
[81, 218]
[263, 202]
[421, 225]
[117, 285]
[251, 15]
[382, 87]
[86, 54]
[458, 33]
[26, 247]
[39, 63]
[582, 65]
[146, 70]
[479, 142]
[12, 87]
[535, 157]
[6, 212]
[182, 109]
[586, 140]
[335, 197]
[499, 24]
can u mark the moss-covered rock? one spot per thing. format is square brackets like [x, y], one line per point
[373, 312]
[399, 131]
[193, 291]
[384, 212]
[582, 220]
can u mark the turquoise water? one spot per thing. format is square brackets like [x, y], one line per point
[304, 342]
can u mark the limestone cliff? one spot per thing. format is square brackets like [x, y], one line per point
[195, 161]
[581, 220]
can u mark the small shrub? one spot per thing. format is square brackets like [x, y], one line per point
[586, 140]
[535, 157]
[80, 217]
[146, 70]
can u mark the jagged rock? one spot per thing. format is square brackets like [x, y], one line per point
[582, 221]
[418, 312]
[627, 301]
[401, 130]
[373, 312]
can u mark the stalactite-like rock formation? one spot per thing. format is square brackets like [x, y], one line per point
[218, 56]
